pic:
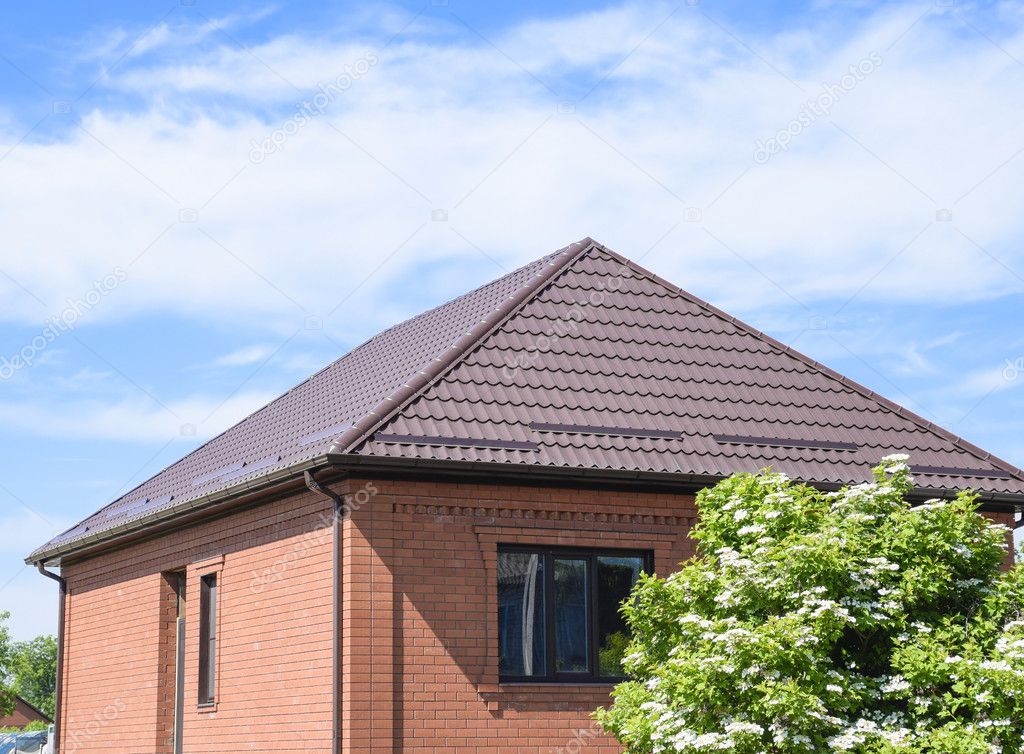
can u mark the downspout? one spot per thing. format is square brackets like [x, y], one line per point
[58, 690]
[336, 649]
[1018, 522]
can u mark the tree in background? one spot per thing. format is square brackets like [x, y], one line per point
[27, 669]
[828, 622]
[33, 669]
[6, 693]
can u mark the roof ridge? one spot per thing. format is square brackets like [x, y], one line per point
[460, 348]
[867, 392]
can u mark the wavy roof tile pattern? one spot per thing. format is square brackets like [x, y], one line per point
[607, 351]
[580, 360]
[303, 423]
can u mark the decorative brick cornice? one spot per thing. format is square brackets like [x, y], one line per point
[525, 514]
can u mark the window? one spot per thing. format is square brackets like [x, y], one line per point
[208, 639]
[558, 612]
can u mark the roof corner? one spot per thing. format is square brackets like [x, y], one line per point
[557, 262]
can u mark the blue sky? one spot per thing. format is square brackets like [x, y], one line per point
[844, 176]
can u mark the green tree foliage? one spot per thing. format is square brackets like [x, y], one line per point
[27, 669]
[33, 726]
[6, 653]
[828, 622]
[34, 672]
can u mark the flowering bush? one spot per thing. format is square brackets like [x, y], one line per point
[828, 622]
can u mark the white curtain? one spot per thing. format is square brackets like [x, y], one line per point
[529, 608]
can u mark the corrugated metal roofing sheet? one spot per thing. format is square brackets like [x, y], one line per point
[582, 337]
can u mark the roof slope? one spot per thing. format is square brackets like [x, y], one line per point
[303, 423]
[608, 366]
[581, 360]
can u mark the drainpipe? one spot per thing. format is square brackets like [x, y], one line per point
[336, 665]
[59, 685]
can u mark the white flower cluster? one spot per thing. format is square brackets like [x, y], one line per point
[790, 612]
[865, 730]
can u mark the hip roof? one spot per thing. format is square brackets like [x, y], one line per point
[581, 360]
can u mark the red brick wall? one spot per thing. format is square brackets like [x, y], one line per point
[420, 613]
[274, 690]
[421, 617]
[419, 623]
[167, 664]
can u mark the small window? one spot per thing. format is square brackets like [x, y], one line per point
[558, 612]
[208, 639]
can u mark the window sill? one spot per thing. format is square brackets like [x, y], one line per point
[550, 696]
[206, 709]
[519, 687]
[561, 683]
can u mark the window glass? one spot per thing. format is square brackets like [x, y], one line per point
[559, 612]
[615, 579]
[207, 639]
[572, 654]
[521, 614]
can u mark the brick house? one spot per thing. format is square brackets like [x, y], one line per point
[23, 714]
[422, 547]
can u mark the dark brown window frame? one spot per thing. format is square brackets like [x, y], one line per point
[209, 589]
[590, 554]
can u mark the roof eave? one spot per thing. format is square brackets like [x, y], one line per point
[501, 472]
[254, 490]
[681, 482]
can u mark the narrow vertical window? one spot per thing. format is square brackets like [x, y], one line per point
[208, 639]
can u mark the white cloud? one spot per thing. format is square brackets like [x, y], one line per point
[438, 123]
[523, 162]
[984, 382]
[135, 419]
[244, 356]
[32, 600]
[304, 363]
[120, 44]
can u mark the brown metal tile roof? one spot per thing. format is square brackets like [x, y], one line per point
[581, 360]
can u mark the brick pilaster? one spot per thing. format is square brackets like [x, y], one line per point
[368, 630]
